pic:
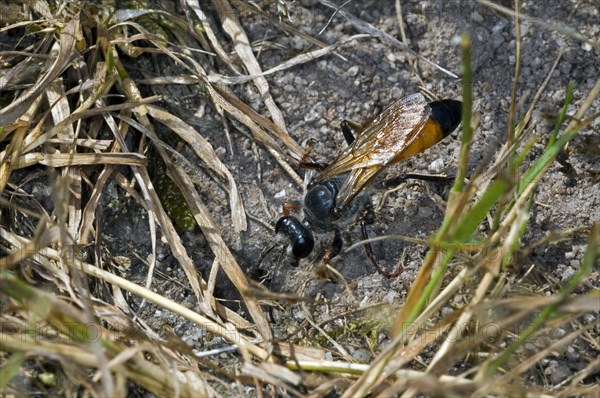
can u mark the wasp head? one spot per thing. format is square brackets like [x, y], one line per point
[300, 237]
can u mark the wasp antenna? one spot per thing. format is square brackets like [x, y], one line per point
[265, 253]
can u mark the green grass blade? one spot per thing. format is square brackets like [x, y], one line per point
[553, 148]
[467, 105]
[590, 259]
[10, 369]
[471, 220]
[562, 114]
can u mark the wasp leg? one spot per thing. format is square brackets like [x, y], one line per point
[366, 218]
[310, 145]
[334, 248]
[306, 162]
[399, 179]
[289, 207]
[350, 129]
[371, 255]
[348, 132]
[312, 166]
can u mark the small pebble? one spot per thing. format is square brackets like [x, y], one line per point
[391, 296]
[396, 92]
[352, 71]
[220, 151]
[425, 212]
[381, 338]
[567, 274]
[559, 374]
[500, 26]
[558, 333]
[362, 355]
[572, 354]
[436, 166]
[300, 82]
[476, 17]
[446, 311]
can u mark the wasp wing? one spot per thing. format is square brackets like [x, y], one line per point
[380, 143]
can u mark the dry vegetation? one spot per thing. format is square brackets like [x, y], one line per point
[73, 325]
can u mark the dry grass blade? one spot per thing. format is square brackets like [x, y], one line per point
[207, 154]
[36, 138]
[258, 124]
[553, 26]
[15, 147]
[214, 41]
[234, 29]
[60, 111]
[223, 255]
[230, 335]
[372, 30]
[506, 238]
[240, 110]
[281, 24]
[100, 145]
[71, 344]
[110, 113]
[43, 239]
[151, 376]
[514, 373]
[297, 60]
[574, 389]
[69, 37]
[275, 375]
[177, 247]
[492, 266]
[79, 159]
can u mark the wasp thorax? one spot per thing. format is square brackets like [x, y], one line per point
[319, 203]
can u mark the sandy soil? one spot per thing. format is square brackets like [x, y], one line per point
[362, 78]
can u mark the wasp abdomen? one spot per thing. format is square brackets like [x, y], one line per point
[447, 113]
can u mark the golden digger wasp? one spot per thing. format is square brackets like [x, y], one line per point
[334, 197]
